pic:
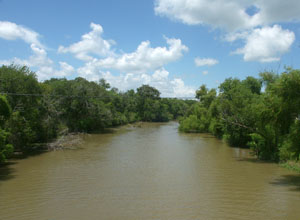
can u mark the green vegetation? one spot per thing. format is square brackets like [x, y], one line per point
[291, 165]
[34, 113]
[260, 113]
[6, 149]
[263, 114]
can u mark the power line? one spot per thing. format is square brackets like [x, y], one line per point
[48, 95]
[76, 96]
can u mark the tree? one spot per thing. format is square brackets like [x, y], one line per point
[253, 84]
[5, 110]
[267, 78]
[24, 97]
[104, 84]
[6, 149]
[146, 91]
[206, 96]
[201, 92]
[146, 97]
[196, 119]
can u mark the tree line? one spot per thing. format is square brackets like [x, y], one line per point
[260, 113]
[33, 113]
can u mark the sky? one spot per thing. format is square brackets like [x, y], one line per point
[172, 45]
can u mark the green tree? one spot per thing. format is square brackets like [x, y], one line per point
[6, 149]
[24, 96]
[147, 104]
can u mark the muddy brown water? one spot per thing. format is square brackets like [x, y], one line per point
[148, 172]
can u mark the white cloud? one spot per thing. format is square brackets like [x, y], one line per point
[12, 31]
[39, 60]
[160, 74]
[159, 79]
[39, 57]
[135, 67]
[205, 61]
[180, 89]
[91, 43]
[229, 14]
[205, 72]
[65, 70]
[278, 11]
[266, 44]
[233, 36]
[42, 64]
[250, 20]
[145, 57]
[90, 70]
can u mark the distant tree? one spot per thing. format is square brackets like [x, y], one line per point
[104, 84]
[268, 78]
[253, 84]
[201, 92]
[146, 102]
[146, 91]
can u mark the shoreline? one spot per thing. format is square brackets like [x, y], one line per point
[68, 141]
[73, 140]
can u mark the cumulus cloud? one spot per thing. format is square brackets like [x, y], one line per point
[278, 11]
[90, 70]
[181, 90]
[65, 70]
[12, 31]
[266, 44]
[145, 57]
[231, 37]
[39, 60]
[205, 61]
[250, 20]
[44, 66]
[159, 79]
[160, 74]
[91, 43]
[135, 68]
[143, 66]
[229, 14]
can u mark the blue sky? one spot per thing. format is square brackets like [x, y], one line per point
[173, 45]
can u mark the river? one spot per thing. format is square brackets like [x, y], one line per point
[148, 172]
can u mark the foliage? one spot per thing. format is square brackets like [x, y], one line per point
[197, 117]
[291, 165]
[290, 149]
[244, 115]
[33, 113]
[6, 149]
[261, 113]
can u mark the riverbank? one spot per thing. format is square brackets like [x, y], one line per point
[291, 165]
[67, 141]
[71, 141]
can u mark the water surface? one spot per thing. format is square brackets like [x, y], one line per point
[148, 172]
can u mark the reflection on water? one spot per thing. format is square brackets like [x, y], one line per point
[148, 172]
